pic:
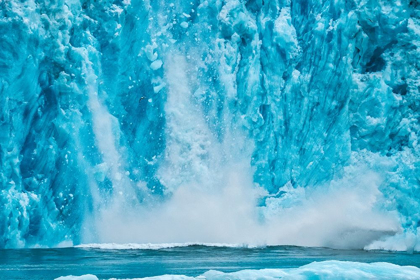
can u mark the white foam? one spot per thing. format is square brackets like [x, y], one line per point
[342, 216]
[406, 241]
[157, 246]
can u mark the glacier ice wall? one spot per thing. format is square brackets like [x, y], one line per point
[114, 104]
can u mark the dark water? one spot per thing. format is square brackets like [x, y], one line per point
[192, 261]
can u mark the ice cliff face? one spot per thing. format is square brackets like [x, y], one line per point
[122, 102]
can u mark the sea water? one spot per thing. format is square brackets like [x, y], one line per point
[138, 261]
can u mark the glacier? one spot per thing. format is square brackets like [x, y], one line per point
[213, 121]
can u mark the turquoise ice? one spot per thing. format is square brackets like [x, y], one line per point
[315, 270]
[278, 116]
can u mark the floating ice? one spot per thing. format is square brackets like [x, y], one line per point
[317, 270]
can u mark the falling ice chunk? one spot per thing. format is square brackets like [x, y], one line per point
[158, 88]
[184, 24]
[156, 64]
[150, 53]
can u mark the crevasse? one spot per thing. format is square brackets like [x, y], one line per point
[111, 107]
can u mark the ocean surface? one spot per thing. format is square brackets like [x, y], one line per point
[193, 260]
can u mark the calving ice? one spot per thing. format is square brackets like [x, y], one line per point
[206, 121]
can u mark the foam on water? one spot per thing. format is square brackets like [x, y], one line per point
[158, 246]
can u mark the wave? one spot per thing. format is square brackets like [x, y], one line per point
[391, 244]
[158, 246]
